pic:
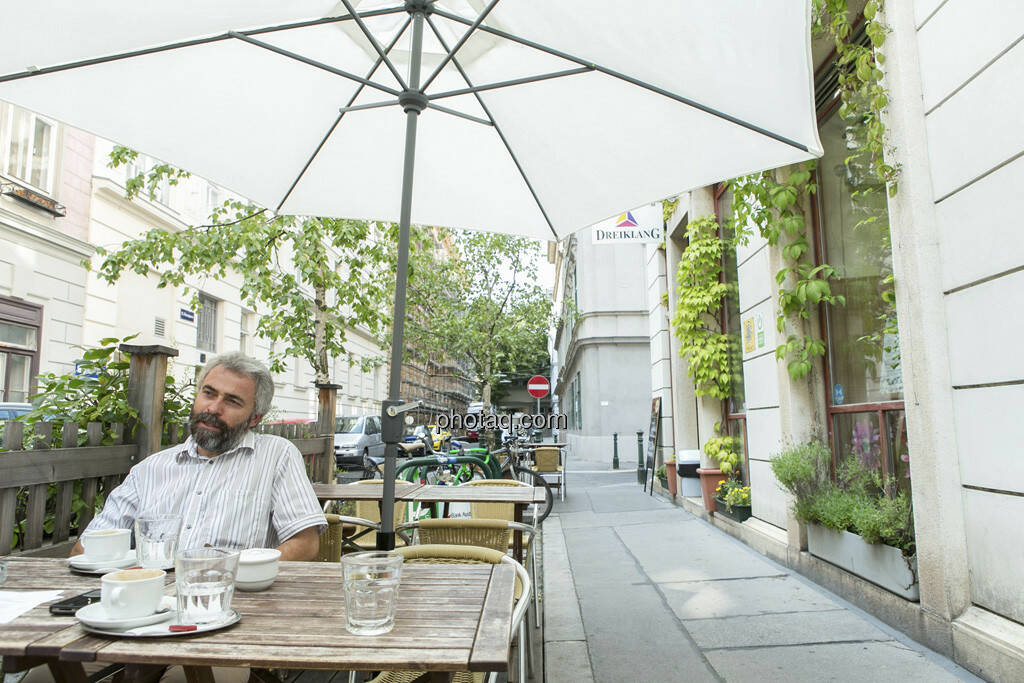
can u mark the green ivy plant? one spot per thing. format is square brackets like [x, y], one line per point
[703, 343]
[725, 450]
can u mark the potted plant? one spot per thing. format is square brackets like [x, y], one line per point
[733, 499]
[724, 451]
[670, 472]
[858, 522]
[662, 476]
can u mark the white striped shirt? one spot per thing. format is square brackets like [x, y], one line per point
[256, 495]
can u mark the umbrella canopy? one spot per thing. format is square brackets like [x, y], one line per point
[538, 118]
[654, 98]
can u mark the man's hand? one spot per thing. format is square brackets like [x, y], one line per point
[301, 547]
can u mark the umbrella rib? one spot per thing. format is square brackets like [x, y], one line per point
[369, 105]
[185, 43]
[376, 46]
[460, 114]
[511, 82]
[312, 62]
[497, 129]
[458, 46]
[629, 79]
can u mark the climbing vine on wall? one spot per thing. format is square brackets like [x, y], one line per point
[774, 202]
[703, 343]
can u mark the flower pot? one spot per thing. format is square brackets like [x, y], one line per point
[739, 513]
[880, 564]
[670, 474]
[710, 478]
[664, 482]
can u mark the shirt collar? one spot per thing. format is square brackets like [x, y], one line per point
[189, 449]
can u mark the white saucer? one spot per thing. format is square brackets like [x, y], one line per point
[95, 616]
[163, 629]
[83, 564]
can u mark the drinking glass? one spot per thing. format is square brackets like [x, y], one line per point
[371, 591]
[156, 540]
[205, 581]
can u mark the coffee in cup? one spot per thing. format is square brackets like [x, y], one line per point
[132, 593]
[107, 544]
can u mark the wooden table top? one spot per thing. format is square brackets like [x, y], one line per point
[403, 491]
[523, 495]
[448, 618]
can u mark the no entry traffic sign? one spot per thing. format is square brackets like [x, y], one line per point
[538, 386]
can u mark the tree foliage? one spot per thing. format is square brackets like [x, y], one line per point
[473, 296]
[310, 279]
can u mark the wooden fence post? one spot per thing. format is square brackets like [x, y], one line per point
[147, 373]
[327, 404]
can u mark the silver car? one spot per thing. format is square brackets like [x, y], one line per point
[355, 438]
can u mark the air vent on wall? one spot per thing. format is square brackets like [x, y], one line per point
[158, 326]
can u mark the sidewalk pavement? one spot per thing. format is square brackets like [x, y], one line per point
[636, 588]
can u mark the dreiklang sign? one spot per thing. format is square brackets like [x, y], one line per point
[639, 226]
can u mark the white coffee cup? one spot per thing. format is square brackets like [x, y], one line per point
[131, 593]
[257, 569]
[107, 544]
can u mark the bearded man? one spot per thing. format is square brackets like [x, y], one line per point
[232, 487]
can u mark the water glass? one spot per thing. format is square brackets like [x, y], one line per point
[205, 581]
[156, 540]
[371, 591]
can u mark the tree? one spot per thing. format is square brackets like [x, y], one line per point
[302, 274]
[473, 296]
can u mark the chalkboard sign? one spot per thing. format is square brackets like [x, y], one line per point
[652, 441]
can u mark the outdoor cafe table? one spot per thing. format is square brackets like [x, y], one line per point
[448, 618]
[519, 496]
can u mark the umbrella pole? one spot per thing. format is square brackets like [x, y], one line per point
[413, 103]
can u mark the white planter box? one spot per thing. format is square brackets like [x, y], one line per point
[880, 564]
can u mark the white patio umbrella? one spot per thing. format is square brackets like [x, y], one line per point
[538, 117]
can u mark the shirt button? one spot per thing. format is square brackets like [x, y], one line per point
[199, 493]
[188, 526]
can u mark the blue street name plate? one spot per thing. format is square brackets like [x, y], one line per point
[188, 316]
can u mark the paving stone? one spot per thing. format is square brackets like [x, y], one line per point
[691, 552]
[626, 625]
[588, 518]
[782, 629]
[562, 619]
[597, 557]
[853, 662]
[567, 661]
[707, 599]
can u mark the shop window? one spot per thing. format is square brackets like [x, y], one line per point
[863, 368]
[29, 147]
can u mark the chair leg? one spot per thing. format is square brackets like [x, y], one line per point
[522, 652]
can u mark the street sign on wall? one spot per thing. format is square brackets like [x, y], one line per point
[538, 386]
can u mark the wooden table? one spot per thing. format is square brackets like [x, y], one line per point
[448, 618]
[519, 496]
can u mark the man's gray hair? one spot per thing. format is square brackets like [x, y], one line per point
[239, 363]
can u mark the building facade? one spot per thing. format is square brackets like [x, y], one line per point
[931, 402]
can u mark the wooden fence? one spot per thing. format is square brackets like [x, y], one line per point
[49, 495]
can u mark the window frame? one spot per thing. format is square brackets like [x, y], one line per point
[7, 141]
[207, 302]
[25, 314]
[880, 409]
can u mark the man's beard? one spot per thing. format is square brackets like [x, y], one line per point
[216, 442]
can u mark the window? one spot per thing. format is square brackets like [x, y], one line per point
[19, 344]
[245, 332]
[206, 324]
[29, 145]
[575, 407]
[734, 409]
[143, 164]
[864, 378]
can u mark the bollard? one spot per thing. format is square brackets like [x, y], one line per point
[641, 469]
[615, 450]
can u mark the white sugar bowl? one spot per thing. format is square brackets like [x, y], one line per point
[257, 569]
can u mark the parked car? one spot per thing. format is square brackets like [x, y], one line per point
[9, 411]
[356, 438]
[477, 408]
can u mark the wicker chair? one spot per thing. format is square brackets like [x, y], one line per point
[531, 539]
[483, 533]
[461, 554]
[549, 465]
[330, 540]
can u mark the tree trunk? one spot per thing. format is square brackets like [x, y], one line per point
[485, 392]
[320, 367]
